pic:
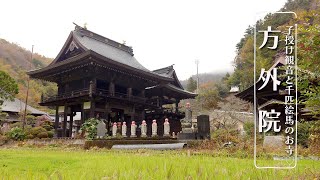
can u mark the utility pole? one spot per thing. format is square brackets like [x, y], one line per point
[26, 103]
[197, 63]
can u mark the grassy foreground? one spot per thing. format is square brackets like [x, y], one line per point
[40, 163]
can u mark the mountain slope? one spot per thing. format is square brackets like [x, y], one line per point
[15, 60]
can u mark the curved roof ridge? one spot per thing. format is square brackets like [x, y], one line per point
[105, 40]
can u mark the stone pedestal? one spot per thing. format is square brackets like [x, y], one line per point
[124, 129]
[144, 129]
[114, 130]
[187, 121]
[186, 125]
[154, 128]
[133, 129]
[166, 128]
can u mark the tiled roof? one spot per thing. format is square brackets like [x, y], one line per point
[18, 106]
[107, 48]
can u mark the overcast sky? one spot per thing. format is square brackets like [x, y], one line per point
[161, 32]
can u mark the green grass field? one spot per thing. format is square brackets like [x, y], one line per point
[58, 163]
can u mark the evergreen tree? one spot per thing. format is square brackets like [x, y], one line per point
[192, 85]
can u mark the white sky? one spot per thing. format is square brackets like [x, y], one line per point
[161, 32]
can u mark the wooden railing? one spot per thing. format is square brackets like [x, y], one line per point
[97, 91]
[72, 94]
[105, 93]
[165, 111]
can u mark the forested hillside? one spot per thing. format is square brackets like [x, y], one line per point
[205, 78]
[15, 60]
[308, 20]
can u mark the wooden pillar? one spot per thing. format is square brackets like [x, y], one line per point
[143, 93]
[94, 80]
[70, 124]
[107, 111]
[56, 121]
[65, 116]
[92, 108]
[82, 115]
[129, 92]
[143, 115]
[111, 88]
[160, 101]
[177, 105]
[90, 88]
[133, 113]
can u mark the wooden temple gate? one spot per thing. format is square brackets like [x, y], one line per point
[102, 79]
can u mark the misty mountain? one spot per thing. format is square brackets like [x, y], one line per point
[205, 78]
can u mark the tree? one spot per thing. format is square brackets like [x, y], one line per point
[8, 86]
[309, 61]
[192, 85]
[208, 97]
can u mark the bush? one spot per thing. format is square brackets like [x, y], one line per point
[90, 126]
[46, 124]
[16, 133]
[47, 127]
[3, 140]
[17, 124]
[303, 133]
[27, 129]
[50, 134]
[29, 136]
[37, 130]
[249, 128]
[222, 136]
[42, 135]
[314, 138]
[30, 119]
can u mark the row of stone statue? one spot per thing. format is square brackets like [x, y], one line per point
[133, 127]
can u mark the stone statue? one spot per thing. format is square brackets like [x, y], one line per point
[124, 129]
[166, 127]
[188, 117]
[144, 129]
[114, 129]
[133, 129]
[173, 135]
[154, 128]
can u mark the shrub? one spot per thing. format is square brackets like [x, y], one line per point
[16, 133]
[30, 119]
[249, 128]
[222, 136]
[29, 136]
[47, 127]
[46, 124]
[303, 133]
[27, 129]
[42, 135]
[90, 126]
[3, 140]
[50, 134]
[314, 138]
[37, 130]
[17, 124]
